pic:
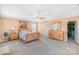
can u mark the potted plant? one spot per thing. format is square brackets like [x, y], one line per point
[5, 34]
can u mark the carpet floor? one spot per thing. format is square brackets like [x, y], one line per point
[44, 46]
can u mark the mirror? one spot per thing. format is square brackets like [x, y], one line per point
[56, 27]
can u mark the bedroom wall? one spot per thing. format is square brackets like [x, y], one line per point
[1, 29]
[6, 25]
[10, 23]
[61, 21]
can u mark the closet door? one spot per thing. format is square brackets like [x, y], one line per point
[40, 28]
[45, 29]
[34, 27]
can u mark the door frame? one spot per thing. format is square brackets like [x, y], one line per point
[66, 37]
[77, 31]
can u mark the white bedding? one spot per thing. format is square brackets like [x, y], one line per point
[23, 33]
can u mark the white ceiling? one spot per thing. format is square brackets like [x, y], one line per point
[30, 11]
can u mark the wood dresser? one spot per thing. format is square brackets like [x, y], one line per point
[13, 36]
[59, 35]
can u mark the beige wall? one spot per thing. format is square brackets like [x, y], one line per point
[62, 23]
[9, 23]
[6, 25]
[1, 29]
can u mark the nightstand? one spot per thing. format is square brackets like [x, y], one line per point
[13, 36]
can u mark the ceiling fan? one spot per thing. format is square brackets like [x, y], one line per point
[39, 16]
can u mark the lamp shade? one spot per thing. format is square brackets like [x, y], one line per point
[12, 29]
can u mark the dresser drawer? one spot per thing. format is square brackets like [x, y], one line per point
[59, 35]
[13, 36]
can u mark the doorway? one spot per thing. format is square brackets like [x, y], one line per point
[71, 31]
[45, 29]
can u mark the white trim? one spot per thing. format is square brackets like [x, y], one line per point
[65, 34]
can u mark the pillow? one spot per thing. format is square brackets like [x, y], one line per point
[25, 31]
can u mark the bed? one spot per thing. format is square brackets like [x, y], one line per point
[23, 34]
[27, 36]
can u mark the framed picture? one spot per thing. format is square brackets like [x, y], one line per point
[23, 25]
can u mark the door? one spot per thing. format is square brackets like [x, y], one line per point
[71, 31]
[45, 29]
[34, 27]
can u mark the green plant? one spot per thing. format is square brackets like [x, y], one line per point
[5, 34]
